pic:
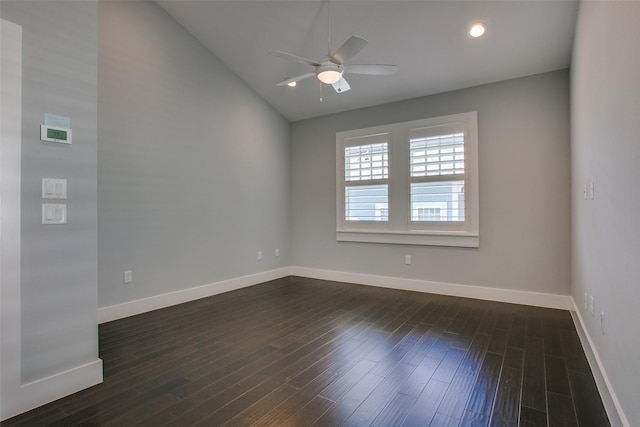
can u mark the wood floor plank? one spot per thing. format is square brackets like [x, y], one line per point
[457, 395]
[380, 396]
[338, 388]
[498, 343]
[556, 377]
[395, 412]
[310, 412]
[481, 400]
[426, 406]
[552, 339]
[261, 407]
[219, 413]
[461, 387]
[449, 365]
[430, 337]
[589, 408]
[517, 333]
[282, 413]
[506, 409]
[573, 353]
[561, 411]
[472, 419]
[441, 420]
[530, 417]
[420, 376]
[350, 401]
[534, 394]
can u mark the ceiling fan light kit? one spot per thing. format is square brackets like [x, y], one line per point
[329, 73]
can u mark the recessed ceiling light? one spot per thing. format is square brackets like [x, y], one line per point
[477, 29]
[292, 84]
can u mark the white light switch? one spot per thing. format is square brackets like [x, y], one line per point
[54, 214]
[54, 188]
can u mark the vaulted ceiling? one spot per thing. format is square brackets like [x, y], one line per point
[427, 40]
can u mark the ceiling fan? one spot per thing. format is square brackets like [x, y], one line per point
[331, 68]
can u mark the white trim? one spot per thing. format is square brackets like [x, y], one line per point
[537, 299]
[609, 398]
[46, 390]
[10, 166]
[131, 308]
[459, 240]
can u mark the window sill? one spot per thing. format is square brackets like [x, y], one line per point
[460, 240]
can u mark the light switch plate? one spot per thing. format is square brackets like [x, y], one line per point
[53, 188]
[54, 214]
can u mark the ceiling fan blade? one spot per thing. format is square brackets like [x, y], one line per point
[341, 86]
[349, 49]
[372, 69]
[293, 57]
[296, 79]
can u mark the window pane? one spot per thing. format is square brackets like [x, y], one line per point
[366, 162]
[437, 201]
[437, 155]
[367, 203]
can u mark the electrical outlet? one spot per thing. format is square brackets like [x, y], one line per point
[407, 259]
[128, 276]
[259, 255]
[277, 252]
[592, 304]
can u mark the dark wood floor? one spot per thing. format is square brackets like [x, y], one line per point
[303, 352]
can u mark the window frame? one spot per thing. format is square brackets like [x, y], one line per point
[400, 229]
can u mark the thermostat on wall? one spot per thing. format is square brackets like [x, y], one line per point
[55, 134]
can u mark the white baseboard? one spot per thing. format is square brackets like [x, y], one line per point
[45, 390]
[537, 299]
[611, 403]
[131, 308]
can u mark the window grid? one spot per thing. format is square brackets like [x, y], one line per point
[366, 162]
[437, 155]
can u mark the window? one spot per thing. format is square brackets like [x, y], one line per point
[366, 178]
[410, 183]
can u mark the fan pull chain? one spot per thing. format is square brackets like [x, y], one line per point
[321, 92]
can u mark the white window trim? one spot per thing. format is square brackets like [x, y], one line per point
[399, 229]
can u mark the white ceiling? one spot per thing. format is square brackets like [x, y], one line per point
[427, 40]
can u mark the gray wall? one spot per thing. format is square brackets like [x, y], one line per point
[523, 128]
[59, 263]
[605, 148]
[193, 167]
